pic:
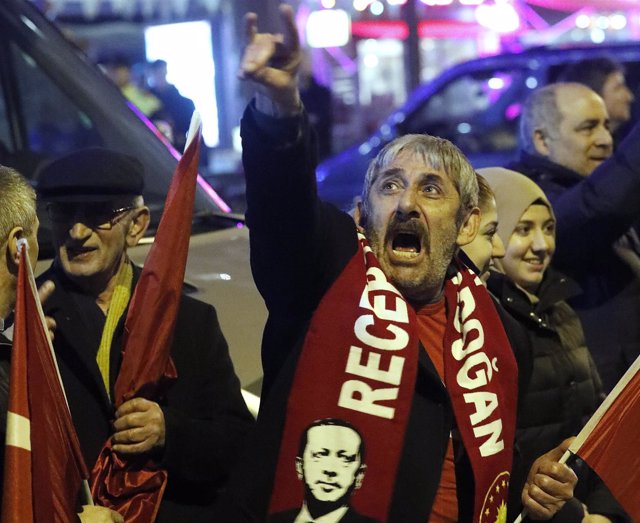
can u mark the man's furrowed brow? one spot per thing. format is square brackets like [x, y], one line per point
[390, 172]
[431, 177]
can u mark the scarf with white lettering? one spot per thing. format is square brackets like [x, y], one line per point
[349, 404]
[481, 377]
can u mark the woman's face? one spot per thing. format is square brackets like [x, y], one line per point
[487, 244]
[531, 247]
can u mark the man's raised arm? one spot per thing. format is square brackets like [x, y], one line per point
[271, 62]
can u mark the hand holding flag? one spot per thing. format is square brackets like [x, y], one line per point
[134, 484]
[42, 454]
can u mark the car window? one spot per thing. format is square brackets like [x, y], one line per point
[53, 123]
[478, 112]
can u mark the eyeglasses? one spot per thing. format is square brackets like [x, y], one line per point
[96, 216]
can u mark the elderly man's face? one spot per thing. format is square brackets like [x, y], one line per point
[331, 463]
[91, 240]
[411, 225]
[582, 141]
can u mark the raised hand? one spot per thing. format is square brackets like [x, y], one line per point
[271, 62]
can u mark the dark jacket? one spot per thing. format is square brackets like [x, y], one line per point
[5, 370]
[592, 213]
[206, 418]
[350, 516]
[299, 247]
[564, 388]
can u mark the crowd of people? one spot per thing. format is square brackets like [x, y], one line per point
[146, 86]
[410, 344]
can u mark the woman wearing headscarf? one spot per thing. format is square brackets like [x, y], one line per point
[563, 389]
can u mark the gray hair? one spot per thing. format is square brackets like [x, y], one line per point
[539, 113]
[18, 199]
[436, 152]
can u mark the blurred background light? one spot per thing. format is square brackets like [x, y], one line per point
[328, 28]
[501, 17]
[187, 49]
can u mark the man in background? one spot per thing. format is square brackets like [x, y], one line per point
[97, 213]
[18, 220]
[566, 148]
[606, 77]
[176, 109]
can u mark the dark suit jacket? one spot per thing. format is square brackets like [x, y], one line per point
[5, 369]
[350, 516]
[205, 415]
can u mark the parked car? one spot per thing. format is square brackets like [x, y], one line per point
[53, 100]
[476, 105]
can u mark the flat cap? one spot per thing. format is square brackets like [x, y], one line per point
[94, 174]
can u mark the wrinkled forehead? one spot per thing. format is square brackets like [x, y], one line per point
[580, 103]
[432, 162]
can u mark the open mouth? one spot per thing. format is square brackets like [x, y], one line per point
[406, 244]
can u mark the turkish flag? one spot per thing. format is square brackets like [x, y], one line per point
[134, 486]
[609, 441]
[44, 468]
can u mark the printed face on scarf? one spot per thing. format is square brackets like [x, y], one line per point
[411, 225]
[487, 245]
[530, 247]
[331, 466]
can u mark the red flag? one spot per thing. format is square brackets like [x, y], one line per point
[134, 486]
[609, 441]
[44, 468]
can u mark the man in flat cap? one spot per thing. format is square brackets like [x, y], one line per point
[97, 212]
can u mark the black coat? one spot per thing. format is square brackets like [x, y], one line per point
[563, 390]
[592, 213]
[5, 370]
[205, 415]
[350, 516]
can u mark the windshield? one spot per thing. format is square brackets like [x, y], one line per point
[53, 101]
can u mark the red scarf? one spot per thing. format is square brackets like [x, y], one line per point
[357, 370]
[481, 377]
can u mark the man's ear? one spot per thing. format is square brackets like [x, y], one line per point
[359, 477]
[359, 215]
[540, 142]
[299, 467]
[13, 254]
[138, 225]
[469, 227]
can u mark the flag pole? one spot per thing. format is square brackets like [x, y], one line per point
[196, 122]
[23, 245]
